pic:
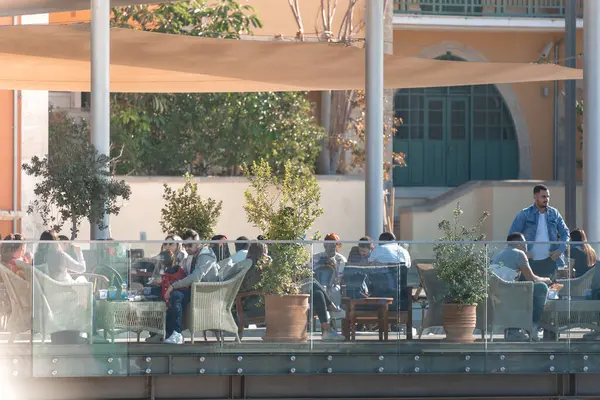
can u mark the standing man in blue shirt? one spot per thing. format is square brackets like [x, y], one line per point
[542, 223]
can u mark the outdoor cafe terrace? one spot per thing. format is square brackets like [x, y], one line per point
[108, 320]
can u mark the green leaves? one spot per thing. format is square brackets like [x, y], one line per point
[212, 133]
[185, 209]
[74, 181]
[283, 207]
[225, 19]
[462, 266]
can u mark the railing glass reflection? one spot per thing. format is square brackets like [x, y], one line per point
[152, 308]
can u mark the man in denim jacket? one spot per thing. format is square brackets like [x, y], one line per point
[542, 223]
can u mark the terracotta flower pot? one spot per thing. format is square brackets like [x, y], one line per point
[286, 318]
[459, 322]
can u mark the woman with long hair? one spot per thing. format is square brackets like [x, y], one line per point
[220, 249]
[173, 244]
[52, 258]
[10, 253]
[41, 253]
[259, 254]
[583, 256]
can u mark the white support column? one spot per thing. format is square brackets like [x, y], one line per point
[571, 115]
[591, 135]
[33, 122]
[374, 118]
[100, 107]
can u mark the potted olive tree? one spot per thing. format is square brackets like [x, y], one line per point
[462, 265]
[284, 207]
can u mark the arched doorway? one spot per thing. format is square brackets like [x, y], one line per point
[452, 135]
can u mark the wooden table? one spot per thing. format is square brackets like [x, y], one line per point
[381, 303]
[131, 316]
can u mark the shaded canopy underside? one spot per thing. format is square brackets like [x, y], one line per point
[57, 58]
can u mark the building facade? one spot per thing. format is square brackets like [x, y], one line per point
[451, 136]
[494, 132]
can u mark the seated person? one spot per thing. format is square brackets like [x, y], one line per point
[325, 309]
[321, 302]
[172, 243]
[582, 255]
[360, 254]
[389, 251]
[595, 335]
[259, 254]
[53, 258]
[241, 249]
[329, 267]
[170, 271]
[10, 253]
[202, 267]
[508, 265]
[221, 249]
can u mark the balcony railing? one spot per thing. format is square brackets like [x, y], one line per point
[57, 321]
[487, 8]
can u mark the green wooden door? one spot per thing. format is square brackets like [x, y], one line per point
[435, 141]
[453, 135]
[457, 141]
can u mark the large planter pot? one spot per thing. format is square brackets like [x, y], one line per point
[286, 318]
[459, 322]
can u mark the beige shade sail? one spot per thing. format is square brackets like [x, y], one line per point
[56, 57]
[9, 8]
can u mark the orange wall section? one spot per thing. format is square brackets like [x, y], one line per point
[6, 150]
[70, 17]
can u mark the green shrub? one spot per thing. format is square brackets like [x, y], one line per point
[462, 266]
[185, 209]
[283, 208]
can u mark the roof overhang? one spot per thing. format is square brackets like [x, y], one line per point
[57, 58]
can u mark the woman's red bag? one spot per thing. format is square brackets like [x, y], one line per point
[171, 275]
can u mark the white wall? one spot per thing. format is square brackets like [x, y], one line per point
[341, 197]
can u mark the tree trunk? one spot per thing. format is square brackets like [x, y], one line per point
[323, 163]
[341, 108]
[74, 228]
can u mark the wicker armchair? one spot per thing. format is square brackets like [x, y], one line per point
[436, 292]
[577, 286]
[211, 303]
[62, 306]
[56, 306]
[19, 295]
[512, 305]
[509, 305]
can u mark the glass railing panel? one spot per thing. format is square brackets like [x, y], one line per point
[384, 315]
[578, 321]
[524, 332]
[449, 312]
[16, 315]
[274, 310]
[361, 297]
[199, 301]
[68, 331]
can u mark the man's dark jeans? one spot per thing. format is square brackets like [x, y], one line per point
[178, 302]
[540, 294]
[544, 268]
